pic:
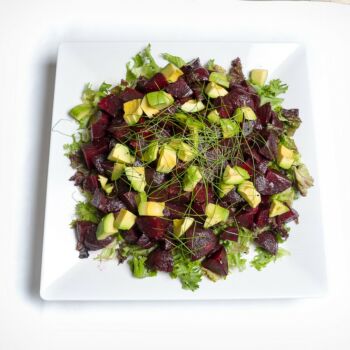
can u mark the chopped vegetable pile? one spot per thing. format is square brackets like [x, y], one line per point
[184, 168]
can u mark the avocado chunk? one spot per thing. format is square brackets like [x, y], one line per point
[132, 111]
[151, 152]
[151, 208]
[248, 113]
[148, 110]
[159, 99]
[214, 117]
[224, 189]
[191, 178]
[125, 220]
[219, 78]
[287, 196]
[108, 188]
[182, 225]
[136, 177]
[117, 172]
[229, 128]
[235, 175]
[121, 154]
[106, 227]
[247, 190]
[277, 208]
[215, 214]
[285, 157]
[258, 76]
[185, 152]
[82, 113]
[192, 106]
[166, 160]
[171, 73]
[214, 90]
[141, 197]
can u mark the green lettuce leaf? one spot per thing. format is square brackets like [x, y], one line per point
[87, 212]
[262, 258]
[143, 65]
[138, 267]
[269, 92]
[176, 60]
[187, 271]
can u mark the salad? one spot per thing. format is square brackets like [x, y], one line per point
[185, 168]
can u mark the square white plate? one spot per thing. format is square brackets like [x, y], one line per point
[66, 277]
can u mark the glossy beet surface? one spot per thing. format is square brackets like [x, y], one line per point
[160, 260]
[217, 262]
[200, 241]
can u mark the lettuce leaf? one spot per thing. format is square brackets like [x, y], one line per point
[87, 212]
[143, 65]
[262, 258]
[187, 271]
[176, 60]
[138, 267]
[269, 92]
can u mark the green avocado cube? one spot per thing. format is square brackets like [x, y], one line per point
[125, 220]
[191, 178]
[219, 78]
[136, 177]
[106, 227]
[215, 214]
[151, 152]
[229, 128]
[159, 99]
[249, 193]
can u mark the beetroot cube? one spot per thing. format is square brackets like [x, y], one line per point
[99, 126]
[267, 241]
[154, 227]
[217, 262]
[230, 234]
[160, 260]
[157, 82]
[110, 104]
[200, 241]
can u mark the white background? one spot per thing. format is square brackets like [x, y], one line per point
[30, 32]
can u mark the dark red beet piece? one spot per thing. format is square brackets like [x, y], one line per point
[175, 210]
[160, 195]
[144, 242]
[160, 260]
[273, 182]
[99, 126]
[131, 236]
[154, 178]
[154, 227]
[291, 215]
[86, 235]
[264, 113]
[230, 234]
[227, 105]
[166, 244]
[130, 94]
[246, 219]
[110, 104]
[200, 241]
[198, 208]
[119, 129]
[262, 218]
[231, 198]
[92, 150]
[129, 199]
[269, 149]
[106, 204]
[179, 89]
[175, 194]
[267, 241]
[90, 184]
[217, 262]
[157, 82]
[102, 165]
[202, 193]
